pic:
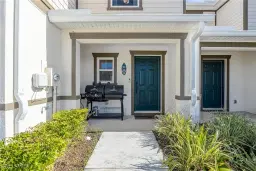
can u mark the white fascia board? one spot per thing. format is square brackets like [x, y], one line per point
[58, 16]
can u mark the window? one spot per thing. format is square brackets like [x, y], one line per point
[105, 67]
[105, 70]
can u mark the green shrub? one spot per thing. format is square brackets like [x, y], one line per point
[38, 148]
[246, 162]
[239, 133]
[190, 147]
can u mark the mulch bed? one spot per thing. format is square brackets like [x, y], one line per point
[163, 143]
[78, 153]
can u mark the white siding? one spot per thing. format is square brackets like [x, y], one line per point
[231, 14]
[251, 14]
[149, 6]
[63, 4]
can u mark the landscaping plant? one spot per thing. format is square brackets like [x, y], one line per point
[190, 147]
[38, 148]
[239, 135]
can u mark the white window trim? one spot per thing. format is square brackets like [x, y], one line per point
[98, 69]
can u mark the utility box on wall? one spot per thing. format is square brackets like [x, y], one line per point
[40, 80]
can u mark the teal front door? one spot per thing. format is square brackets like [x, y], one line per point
[147, 83]
[213, 84]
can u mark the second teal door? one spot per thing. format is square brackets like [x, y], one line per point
[147, 83]
[213, 84]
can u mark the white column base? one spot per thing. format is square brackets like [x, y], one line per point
[69, 104]
[184, 107]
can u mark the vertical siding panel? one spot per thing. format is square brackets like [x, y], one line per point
[62, 4]
[231, 14]
[252, 14]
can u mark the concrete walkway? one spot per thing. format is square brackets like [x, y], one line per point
[133, 151]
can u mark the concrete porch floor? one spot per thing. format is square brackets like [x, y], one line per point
[129, 124]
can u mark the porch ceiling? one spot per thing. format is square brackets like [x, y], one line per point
[83, 20]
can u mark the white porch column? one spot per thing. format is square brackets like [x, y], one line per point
[182, 81]
[69, 89]
[195, 72]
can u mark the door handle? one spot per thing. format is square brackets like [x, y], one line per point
[136, 87]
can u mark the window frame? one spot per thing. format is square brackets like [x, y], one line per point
[119, 8]
[105, 56]
[99, 70]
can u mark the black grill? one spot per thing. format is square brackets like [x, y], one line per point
[102, 93]
[94, 92]
[113, 91]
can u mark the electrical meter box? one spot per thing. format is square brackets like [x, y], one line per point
[40, 80]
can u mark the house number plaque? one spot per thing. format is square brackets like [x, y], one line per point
[124, 68]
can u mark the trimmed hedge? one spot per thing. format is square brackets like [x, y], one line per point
[39, 147]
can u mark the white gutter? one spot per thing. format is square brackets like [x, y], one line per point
[229, 34]
[234, 49]
[18, 90]
[195, 59]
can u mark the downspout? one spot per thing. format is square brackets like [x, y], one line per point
[18, 90]
[195, 59]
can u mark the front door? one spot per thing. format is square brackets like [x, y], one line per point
[213, 84]
[147, 83]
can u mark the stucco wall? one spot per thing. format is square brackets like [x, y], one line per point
[149, 6]
[125, 57]
[249, 61]
[231, 14]
[242, 80]
[38, 46]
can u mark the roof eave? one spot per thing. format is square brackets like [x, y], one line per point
[83, 16]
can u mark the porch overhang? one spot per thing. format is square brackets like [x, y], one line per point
[136, 22]
[227, 34]
[223, 39]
